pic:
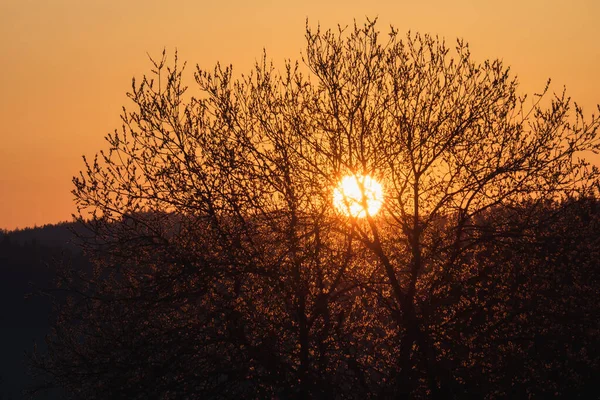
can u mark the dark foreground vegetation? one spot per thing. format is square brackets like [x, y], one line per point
[522, 321]
[221, 268]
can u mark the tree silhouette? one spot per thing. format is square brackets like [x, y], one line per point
[223, 269]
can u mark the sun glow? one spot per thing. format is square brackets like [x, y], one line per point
[356, 191]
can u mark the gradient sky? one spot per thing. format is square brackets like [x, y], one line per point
[65, 65]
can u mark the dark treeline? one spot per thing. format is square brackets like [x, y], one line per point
[59, 235]
[28, 260]
[166, 321]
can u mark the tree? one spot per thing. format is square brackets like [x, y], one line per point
[218, 245]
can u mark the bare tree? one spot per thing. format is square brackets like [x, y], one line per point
[219, 207]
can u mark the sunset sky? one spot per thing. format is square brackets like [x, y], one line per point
[66, 65]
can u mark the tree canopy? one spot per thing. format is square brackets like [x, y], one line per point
[223, 268]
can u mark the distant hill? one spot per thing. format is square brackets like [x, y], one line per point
[52, 235]
[28, 258]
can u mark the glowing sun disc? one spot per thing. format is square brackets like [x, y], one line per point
[348, 196]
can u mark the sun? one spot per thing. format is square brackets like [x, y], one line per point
[348, 196]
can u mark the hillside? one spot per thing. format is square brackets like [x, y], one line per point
[28, 259]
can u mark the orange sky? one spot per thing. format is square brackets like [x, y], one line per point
[65, 65]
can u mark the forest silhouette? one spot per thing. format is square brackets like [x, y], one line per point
[219, 266]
